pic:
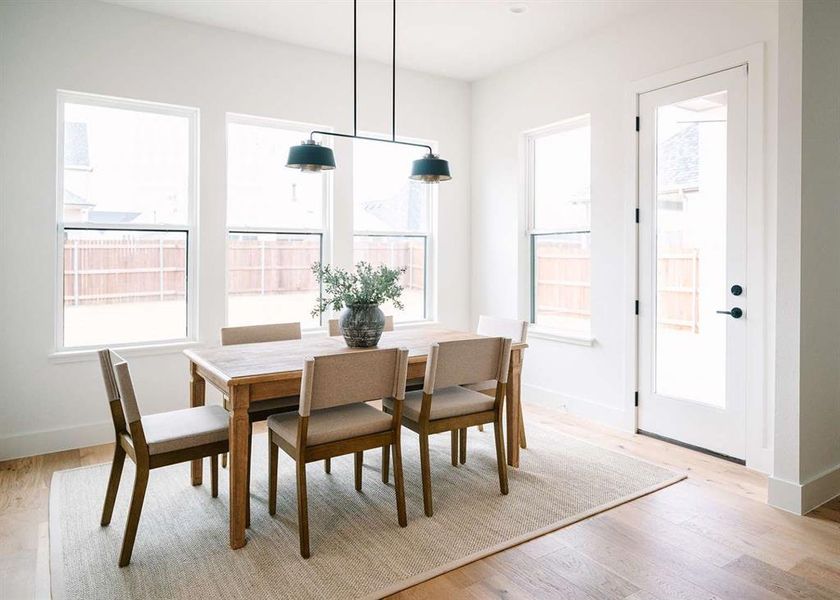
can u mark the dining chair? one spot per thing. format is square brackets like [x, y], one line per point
[260, 411]
[444, 405]
[517, 331]
[334, 420]
[335, 328]
[154, 441]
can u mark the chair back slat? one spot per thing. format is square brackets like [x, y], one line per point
[255, 334]
[462, 362]
[352, 377]
[106, 364]
[514, 329]
[126, 390]
[335, 328]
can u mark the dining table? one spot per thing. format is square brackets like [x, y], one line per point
[250, 373]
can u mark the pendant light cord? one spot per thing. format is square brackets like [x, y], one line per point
[394, 73]
[355, 75]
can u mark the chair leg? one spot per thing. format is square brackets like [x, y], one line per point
[113, 484]
[141, 478]
[248, 479]
[214, 476]
[463, 437]
[357, 463]
[501, 457]
[454, 447]
[327, 465]
[224, 460]
[386, 453]
[522, 443]
[399, 485]
[303, 509]
[425, 468]
[273, 450]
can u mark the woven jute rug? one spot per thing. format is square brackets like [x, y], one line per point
[358, 549]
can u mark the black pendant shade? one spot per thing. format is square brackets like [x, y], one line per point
[430, 169]
[311, 156]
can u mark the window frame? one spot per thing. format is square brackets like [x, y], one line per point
[429, 234]
[64, 97]
[533, 232]
[324, 232]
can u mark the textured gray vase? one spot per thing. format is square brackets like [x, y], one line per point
[362, 325]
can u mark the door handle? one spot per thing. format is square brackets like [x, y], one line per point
[735, 313]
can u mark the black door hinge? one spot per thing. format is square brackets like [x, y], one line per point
[637, 307]
[637, 123]
[637, 398]
[637, 215]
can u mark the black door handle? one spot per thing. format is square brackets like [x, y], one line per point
[735, 313]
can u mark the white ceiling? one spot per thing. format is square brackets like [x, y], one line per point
[464, 39]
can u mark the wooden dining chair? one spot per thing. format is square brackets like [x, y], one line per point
[154, 441]
[444, 405]
[517, 331]
[335, 328]
[334, 420]
[260, 411]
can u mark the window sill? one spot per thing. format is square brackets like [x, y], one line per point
[555, 335]
[152, 349]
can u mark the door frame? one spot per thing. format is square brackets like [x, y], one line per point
[759, 400]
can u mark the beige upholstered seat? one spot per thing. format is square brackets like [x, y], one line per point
[447, 402]
[179, 429]
[335, 329]
[332, 424]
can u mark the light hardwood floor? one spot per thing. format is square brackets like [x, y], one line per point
[711, 536]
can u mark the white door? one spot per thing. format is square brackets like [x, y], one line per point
[692, 262]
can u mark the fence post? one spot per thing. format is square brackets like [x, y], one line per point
[161, 261]
[262, 267]
[75, 253]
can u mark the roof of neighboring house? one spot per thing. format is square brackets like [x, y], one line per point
[71, 199]
[679, 160]
[109, 216]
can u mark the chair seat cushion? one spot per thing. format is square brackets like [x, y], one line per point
[187, 428]
[485, 387]
[278, 404]
[446, 402]
[332, 424]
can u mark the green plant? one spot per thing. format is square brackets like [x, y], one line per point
[367, 285]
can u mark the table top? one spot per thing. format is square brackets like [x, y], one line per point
[277, 360]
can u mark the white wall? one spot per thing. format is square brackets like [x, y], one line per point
[807, 461]
[594, 76]
[47, 405]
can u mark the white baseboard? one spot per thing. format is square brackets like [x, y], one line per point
[606, 415]
[802, 498]
[33, 443]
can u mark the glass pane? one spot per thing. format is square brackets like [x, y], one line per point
[691, 249]
[385, 199]
[262, 192]
[562, 282]
[408, 252]
[561, 178]
[124, 286]
[270, 278]
[125, 166]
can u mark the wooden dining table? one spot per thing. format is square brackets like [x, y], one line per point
[250, 373]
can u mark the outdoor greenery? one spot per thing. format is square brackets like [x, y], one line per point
[367, 285]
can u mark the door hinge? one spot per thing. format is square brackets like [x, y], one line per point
[637, 215]
[637, 123]
[637, 307]
[637, 398]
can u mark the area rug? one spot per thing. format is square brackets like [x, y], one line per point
[358, 549]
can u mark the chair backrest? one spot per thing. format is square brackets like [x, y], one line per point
[112, 393]
[335, 328]
[254, 334]
[514, 329]
[126, 391]
[352, 377]
[462, 362]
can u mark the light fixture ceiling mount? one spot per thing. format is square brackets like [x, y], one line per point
[311, 156]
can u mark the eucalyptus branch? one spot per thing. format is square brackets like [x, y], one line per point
[366, 285]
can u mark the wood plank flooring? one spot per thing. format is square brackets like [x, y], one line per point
[710, 537]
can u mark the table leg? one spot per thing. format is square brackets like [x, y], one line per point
[512, 392]
[196, 399]
[238, 464]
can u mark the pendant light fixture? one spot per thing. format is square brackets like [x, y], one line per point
[311, 156]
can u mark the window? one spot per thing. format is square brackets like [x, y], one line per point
[392, 220]
[125, 222]
[560, 237]
[275, 225]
